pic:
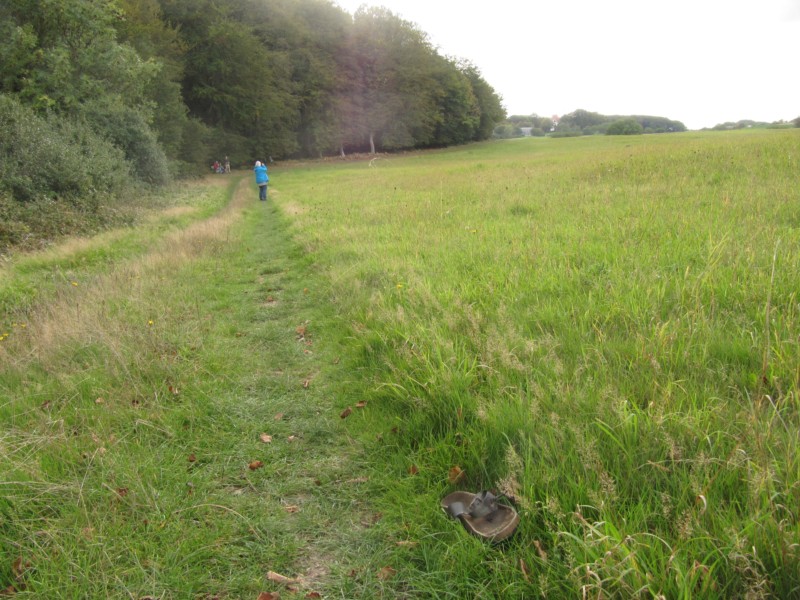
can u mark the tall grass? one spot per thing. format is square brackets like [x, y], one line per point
[135, 387]
[605, 329]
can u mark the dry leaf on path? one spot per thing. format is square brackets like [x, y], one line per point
[455, 475]
[282, 579]
[524, 568]
[540, 550]
[19, 566]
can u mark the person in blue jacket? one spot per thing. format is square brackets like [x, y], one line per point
[261, 180]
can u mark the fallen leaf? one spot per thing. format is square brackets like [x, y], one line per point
[291, 508]
[413, 470]
[266, 438]
[278, 578]
[269, 596]
[19, 566]
[540, 550]
[455, 475]
[9, 591]
[173, 390]
[191, 458]
[361, 404]
[301, 331]
[346, 412]
[278, 417]
[291, 438]
[406, 543]
[122, 492]
[256, 464]
[524, 568]
[306, 383]
[99, 401]
[313, 595]
[386, 573]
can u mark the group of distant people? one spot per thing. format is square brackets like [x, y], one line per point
[221, 167]
[260, 171]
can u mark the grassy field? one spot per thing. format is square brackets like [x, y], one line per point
[605, 329]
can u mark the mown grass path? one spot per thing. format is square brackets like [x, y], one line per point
[170, 429]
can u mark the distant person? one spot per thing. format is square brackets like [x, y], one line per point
[262, 179]
[227, 165]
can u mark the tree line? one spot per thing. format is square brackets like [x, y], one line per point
[285, 78]
[96, 94]
[584, 122]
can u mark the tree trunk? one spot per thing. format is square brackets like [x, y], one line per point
[371, 143]
[341, 150]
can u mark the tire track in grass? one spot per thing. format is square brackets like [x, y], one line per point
[323, 486]
[188, 425]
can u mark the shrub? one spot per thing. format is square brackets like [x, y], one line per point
[53, 157]
[625, 127]
[128, 130]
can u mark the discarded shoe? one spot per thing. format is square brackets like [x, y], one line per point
[482, 515]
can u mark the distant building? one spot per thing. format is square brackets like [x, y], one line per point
[526, 131]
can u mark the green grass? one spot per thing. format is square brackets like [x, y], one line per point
[133, 404]
[605, 329]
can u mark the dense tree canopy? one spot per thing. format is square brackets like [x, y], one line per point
[239, 77]
[584, 122]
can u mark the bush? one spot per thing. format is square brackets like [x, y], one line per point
[128, 130]
[625, 127]
[53, 157]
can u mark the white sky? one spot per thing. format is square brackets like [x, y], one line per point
[702, 62]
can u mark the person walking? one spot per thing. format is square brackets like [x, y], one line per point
[262, 179]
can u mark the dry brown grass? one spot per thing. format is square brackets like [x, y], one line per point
[82, 313]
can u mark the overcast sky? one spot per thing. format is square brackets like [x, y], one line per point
[701, 62]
